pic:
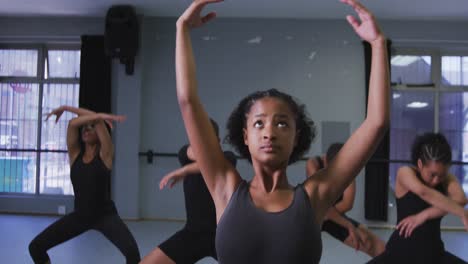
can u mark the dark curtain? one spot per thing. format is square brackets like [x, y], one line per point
[376, 171]
[95, 75]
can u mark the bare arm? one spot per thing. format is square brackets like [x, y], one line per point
[455, 192]
[333, 180]
[106, 148]
[346, 204]
[179, 174]
[335, 216]
[407, 180]
[220, 177]
[409, 224]
[312, 167]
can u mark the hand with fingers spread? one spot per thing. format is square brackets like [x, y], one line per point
[174, 177]
[192, 16]
[367, 28]
[409, 224]
[364, 238]
[57, 112]
[354, 237]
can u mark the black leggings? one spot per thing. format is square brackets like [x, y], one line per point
[189, 246]
[338, 231]
[387, 258]
[72, 225]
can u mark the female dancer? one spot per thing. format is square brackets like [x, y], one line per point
[421, 191]
[336, 223]
[267, 220]
[90, 151]
[196, 239]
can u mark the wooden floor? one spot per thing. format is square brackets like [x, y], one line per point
[16, 231]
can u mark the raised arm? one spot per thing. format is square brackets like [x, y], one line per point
[312, 166]
[106, 150]
[407, 180]
[220, 177]
[333, 180]
[347, 203]
[86, 116]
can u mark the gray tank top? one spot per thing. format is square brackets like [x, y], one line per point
[247, 234]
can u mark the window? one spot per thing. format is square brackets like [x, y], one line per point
[33, 81]
[430, 93]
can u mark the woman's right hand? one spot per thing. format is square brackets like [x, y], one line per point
[57, 112]
[174, 177]
[192, 16]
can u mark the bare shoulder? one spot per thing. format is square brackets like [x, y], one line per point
[405, 171]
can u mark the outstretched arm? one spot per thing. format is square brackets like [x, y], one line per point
[410, 223]
[220, 177]
[407, 179]
[333, 180]
[179, 174]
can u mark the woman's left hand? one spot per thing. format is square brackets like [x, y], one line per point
[367, 28]
[409, 224]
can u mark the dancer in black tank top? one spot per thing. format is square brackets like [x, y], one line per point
[196, 239]
[337, 224]
[90, 151]
[271, 130]
[424, 194]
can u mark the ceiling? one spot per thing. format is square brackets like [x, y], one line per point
[451, 10]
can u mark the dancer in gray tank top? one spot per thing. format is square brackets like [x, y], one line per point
[267, 220]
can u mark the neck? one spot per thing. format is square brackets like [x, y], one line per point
[90, 149]
[269, 179]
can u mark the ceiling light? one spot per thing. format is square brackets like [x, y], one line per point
[417, 105]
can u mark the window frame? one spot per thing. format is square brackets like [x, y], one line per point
[41, 81]
[437, 88]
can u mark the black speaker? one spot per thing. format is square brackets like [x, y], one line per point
[122, 35]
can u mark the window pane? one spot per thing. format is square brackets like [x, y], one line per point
[465, 71]
[54, 135]
[412, 113]
[411, 69]
[64, 64]
[19, 63]
[18, 116]
[454, 70]
[55, 168]
[453, 119]
[17, 172]
[55, 174]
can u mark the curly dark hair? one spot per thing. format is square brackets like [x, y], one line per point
[431, 147]
[237, 122]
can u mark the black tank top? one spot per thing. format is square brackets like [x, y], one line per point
[425, 244]
[247, 234]
[92, 187]
[199, 206]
